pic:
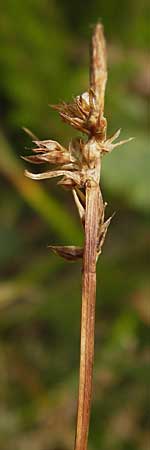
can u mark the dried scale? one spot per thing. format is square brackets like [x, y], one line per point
[79, 167]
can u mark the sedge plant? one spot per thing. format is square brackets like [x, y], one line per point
[79, 167]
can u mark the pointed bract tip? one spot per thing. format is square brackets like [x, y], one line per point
[27, 131]
[131, 138]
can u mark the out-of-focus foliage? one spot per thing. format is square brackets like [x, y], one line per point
[44, 59]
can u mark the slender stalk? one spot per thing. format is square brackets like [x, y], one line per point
[93, 215]
[80, 166]
[87, 316]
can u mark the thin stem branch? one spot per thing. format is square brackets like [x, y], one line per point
[87, 316]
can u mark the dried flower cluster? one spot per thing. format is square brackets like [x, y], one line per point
[79, 167]
[81, 162]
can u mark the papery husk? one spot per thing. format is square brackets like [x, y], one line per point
[71, 253]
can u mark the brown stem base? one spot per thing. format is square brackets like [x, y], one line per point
[87, 317]
[86, 361]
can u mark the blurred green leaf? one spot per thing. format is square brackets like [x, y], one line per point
[126, 173]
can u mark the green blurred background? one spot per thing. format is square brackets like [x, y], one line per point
[44, 59]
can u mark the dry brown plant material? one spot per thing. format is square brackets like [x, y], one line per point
[79, 165]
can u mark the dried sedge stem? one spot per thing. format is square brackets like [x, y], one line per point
[87, 316]
[79, 168]
[93, 213]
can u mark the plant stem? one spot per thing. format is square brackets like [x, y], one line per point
[80, 167]
[93, 214]
[87, 315]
